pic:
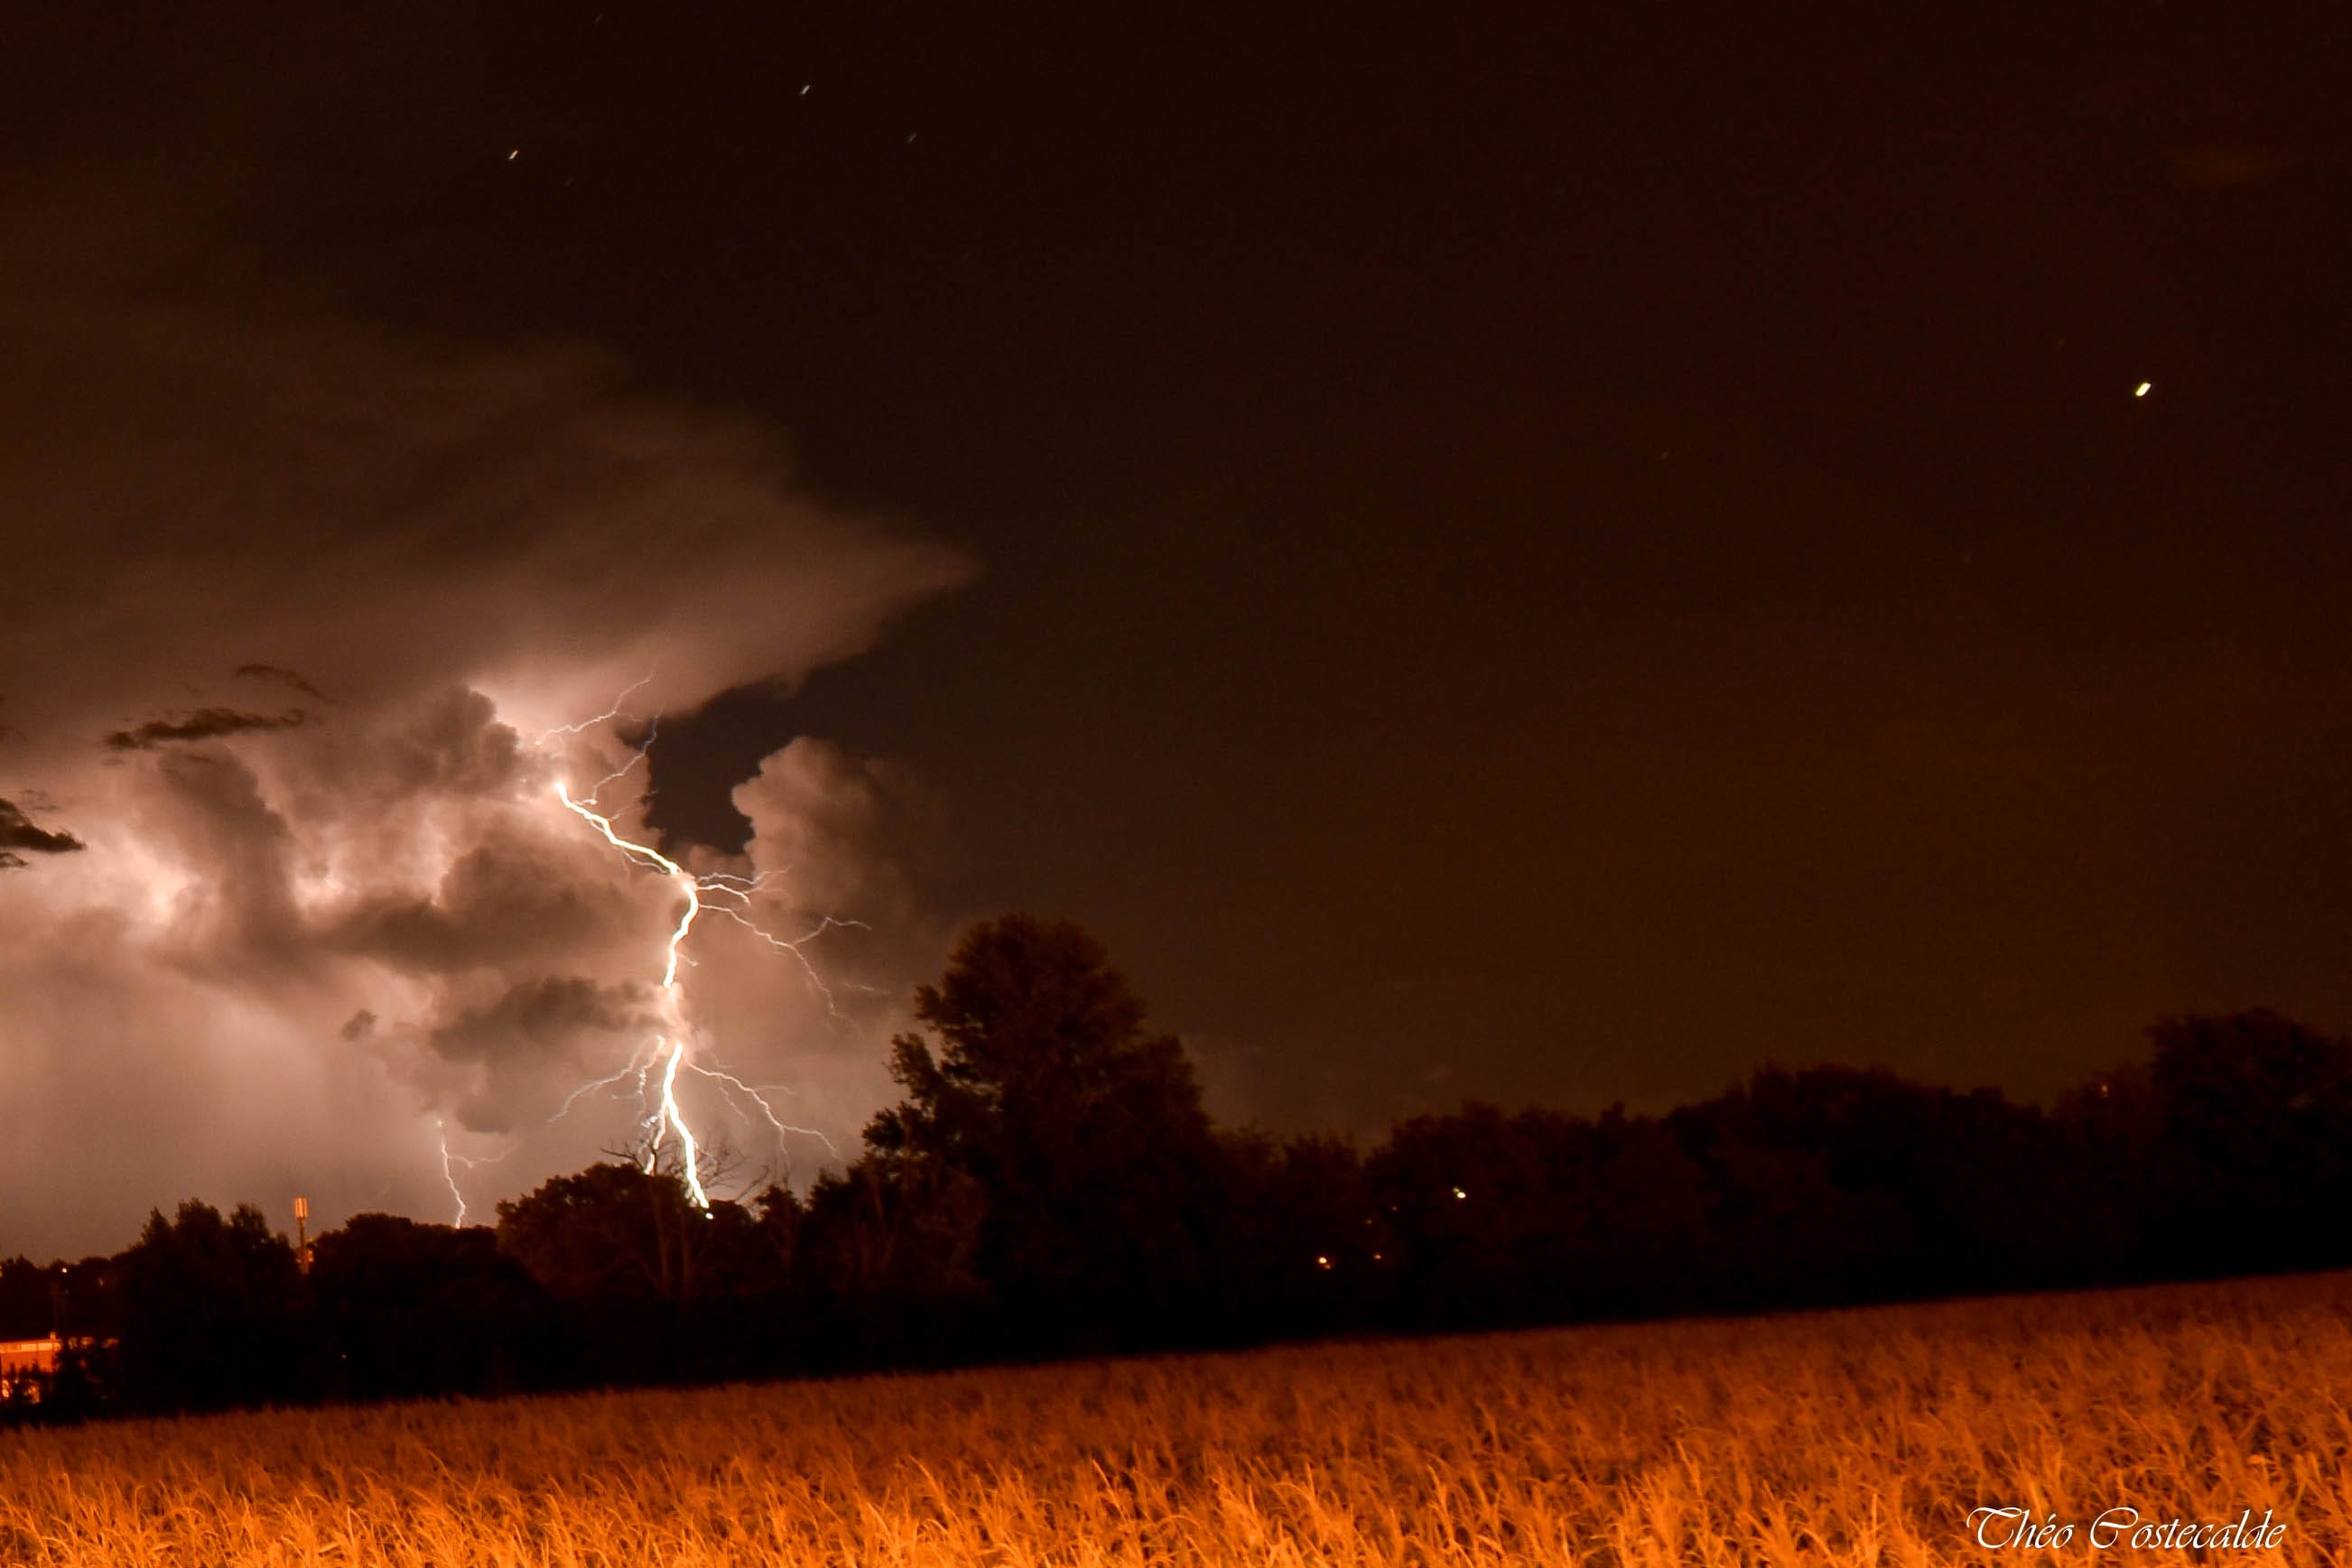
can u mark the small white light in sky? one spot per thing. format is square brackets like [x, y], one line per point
[1459, 1193]
[2141, 390]
[515, 155]
[804, 87]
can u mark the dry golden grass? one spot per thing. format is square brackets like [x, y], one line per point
[1844, 1438]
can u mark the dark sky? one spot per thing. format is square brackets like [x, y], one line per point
[1546, 556]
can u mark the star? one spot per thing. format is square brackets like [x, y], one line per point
[2141, 390]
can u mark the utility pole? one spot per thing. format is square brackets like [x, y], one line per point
[302, 1234]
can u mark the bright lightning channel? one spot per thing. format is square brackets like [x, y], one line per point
[720, 892]
[451, 1160]
[673, 1039]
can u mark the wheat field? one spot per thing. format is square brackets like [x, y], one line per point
[1855, 1438]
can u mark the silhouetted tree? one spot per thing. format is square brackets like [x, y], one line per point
[407, 1308]
[650, 1283]
[213, 1313]
[1297, 1242]
[884, 1270]
[1465, 1192]
[1050, 1185]
[1084, 1130]
[904, 1225]
[1852, 1184]
[2255, 1146]
[2104, 1176]
[613, 1232]
[1648, 1230]
[1538, 1215]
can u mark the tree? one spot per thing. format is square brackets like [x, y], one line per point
[2254, 1158]
[1853, 1184]
[409, 1308]
[213, 1311]
[1537, 1215]
[1085, 1131]
[1301, 1244]
[618, 1232]
[650, 1285]
[904, 1229]
[884, 1271]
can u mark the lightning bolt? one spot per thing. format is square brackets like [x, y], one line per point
[673, 1036]
[451, 1160]
[657, 1063]
[615, 711]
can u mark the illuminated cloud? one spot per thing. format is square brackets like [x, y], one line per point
[298, 943]
[534, 1038]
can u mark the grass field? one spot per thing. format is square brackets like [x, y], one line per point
[1849, 1437]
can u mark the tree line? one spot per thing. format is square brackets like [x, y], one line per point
[1050, 1185]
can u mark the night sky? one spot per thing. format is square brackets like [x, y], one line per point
[1548, 558]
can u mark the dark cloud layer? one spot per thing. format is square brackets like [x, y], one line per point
[19, 831]
[203, 723]
[283, 676]
[542, 1015]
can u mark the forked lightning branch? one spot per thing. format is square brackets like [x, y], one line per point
[665, 1126]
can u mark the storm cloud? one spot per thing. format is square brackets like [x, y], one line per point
[205, 724]
[283, 677]
[17, 831]
[477, 552]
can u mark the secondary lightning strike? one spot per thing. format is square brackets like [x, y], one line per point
[450, 1160]
[615, 711]
[727, 1081]
[450, 1176]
